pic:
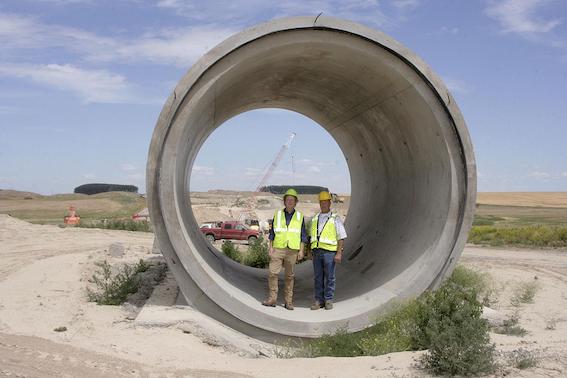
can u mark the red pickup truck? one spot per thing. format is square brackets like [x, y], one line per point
[228, 230]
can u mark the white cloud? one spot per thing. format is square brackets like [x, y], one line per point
[520, 16]
[180, 46]
[93, 86]
[563, 174]
[21, 32]
[539, 175]
[449, 30]
[203, 170]
[405, 3]
[456, 85]
[127, 167]
[89, 176]
[247, 11]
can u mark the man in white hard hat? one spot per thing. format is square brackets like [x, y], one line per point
[327, 239]
[287, 240]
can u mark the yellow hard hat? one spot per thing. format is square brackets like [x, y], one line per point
[290, 192]
[324, 195]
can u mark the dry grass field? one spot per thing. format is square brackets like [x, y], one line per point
[524, 199]
[36, 208]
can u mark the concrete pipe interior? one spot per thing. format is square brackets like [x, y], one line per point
[407, 147]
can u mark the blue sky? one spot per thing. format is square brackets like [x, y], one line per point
[82, 83]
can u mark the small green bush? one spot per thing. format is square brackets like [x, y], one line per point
[451, 327]
[231, 252]
[257, 256]
[479, 282]
[510, 327]
[524, 293]
[522, 359]
[114, 288]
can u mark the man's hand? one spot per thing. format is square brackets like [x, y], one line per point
[300, 255]
[271, 250]
[338, 257]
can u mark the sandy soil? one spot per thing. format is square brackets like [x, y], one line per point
[44, 272]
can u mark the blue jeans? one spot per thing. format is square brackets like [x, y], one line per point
[324, 274]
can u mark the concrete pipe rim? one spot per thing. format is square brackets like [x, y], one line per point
[173, 220]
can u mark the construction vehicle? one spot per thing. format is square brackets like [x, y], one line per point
[336, 199]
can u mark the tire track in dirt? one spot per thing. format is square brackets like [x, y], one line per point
[28, 356]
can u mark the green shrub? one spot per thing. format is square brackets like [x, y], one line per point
[486, 220]
[114, 288]
[258, 255]
[230, 251]
[120, 224]
[393, 333]
[446, 321]
[529, 236]
[480, 282]
[451, 327]
[510, 327]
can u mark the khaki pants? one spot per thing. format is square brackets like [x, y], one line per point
[286, 257]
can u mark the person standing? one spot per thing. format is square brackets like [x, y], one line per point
[286, 242]
[327, 239]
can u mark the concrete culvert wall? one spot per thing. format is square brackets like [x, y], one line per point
[407, 147]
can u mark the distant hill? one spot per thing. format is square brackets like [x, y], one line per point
[96, 188]
[301, 189]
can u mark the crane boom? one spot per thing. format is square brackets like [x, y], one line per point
[275, 162]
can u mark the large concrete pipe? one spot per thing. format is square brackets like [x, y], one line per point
[405, 141]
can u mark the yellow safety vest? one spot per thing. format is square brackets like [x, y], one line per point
[328, 238]
[287, 236]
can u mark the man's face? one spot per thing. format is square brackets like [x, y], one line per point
[325, 206]
[290, 202]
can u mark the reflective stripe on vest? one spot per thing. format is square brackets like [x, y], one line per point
[328, 238]
[287, 236]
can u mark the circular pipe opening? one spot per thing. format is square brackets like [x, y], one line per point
[413, 179]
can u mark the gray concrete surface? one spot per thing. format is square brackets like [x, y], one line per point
[407, 147]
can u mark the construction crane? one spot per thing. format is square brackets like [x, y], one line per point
[275, 162]
[248, 213]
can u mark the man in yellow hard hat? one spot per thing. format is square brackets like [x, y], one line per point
[287, 240]
[327, 239]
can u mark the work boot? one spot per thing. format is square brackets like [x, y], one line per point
[269, 303]
[288, 305]
[316, 306]
[328, 305]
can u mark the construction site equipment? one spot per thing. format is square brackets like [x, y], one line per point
[408, 150]
[275, 162]
[72, 218]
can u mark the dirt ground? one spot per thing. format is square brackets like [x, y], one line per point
[44, 271]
